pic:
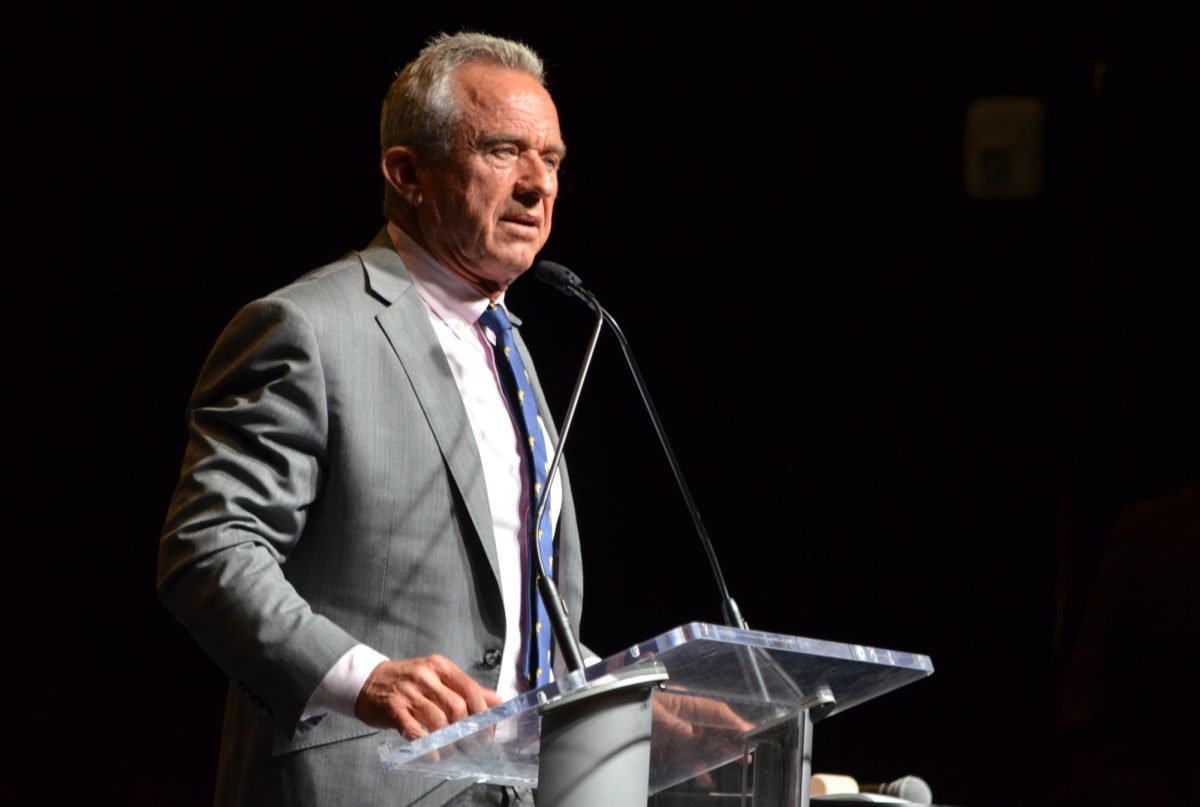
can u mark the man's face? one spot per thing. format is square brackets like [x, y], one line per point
[485, 210]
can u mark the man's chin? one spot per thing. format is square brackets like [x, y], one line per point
[494, 279]
[513, 263]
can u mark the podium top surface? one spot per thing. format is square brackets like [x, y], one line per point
[723, 682]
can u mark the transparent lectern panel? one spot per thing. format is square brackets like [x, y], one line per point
[723, 682]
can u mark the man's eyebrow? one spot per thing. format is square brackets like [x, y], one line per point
[499, 138]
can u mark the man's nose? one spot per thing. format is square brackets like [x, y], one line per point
[537, 178]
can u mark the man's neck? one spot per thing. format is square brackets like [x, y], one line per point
[408, 224]
[445, 292]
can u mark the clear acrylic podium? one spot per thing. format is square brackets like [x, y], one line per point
[727, 691]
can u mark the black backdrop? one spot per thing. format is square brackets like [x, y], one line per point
[910, 418]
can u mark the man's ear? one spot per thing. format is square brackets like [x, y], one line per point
[399, 165]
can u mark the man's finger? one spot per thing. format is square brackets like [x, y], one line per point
[428, 712]
[409, 727]
[464, 685]
[452, 705]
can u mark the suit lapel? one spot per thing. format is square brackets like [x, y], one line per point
[406, 324]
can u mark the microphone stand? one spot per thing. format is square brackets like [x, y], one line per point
[594, 746]
[556, 609]
[569, 283]
[784, 743]
[729, 606]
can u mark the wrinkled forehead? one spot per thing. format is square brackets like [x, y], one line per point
[493, 95]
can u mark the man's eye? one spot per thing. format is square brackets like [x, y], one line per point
[552, 162]
[505, 151]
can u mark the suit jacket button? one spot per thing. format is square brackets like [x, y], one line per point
[491, 658]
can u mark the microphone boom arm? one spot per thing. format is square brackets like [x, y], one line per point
[729, 607]
[555, 608]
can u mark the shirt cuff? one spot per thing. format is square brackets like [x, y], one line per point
[340, 687]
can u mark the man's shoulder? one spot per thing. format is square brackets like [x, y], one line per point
[334, 302]
[334, 284]
[373, 276]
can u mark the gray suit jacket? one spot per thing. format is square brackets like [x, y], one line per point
[332, 493]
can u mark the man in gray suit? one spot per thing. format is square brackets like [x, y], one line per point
[348, 537]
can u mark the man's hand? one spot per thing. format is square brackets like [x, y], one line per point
[420, 695]
[697, 729]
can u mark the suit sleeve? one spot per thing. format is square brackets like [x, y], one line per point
[257, 438]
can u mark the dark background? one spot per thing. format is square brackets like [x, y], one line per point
[911, 419]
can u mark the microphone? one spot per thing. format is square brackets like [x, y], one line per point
[556, 610]
[566, 281]
[560, 277]
[909, 788]
[569, 283]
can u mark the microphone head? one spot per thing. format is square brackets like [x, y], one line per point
[558, 276]
[910, 788]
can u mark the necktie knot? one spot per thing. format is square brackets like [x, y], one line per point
[494, 317]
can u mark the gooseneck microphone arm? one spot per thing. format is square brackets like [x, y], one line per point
[556, 610]
[569, 283]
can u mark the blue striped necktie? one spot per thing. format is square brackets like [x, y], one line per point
[519, 390]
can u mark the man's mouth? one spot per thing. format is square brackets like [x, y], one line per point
[521, 219]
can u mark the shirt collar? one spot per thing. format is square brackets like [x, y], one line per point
[447, 295]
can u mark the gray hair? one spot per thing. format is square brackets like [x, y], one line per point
[421, 110]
